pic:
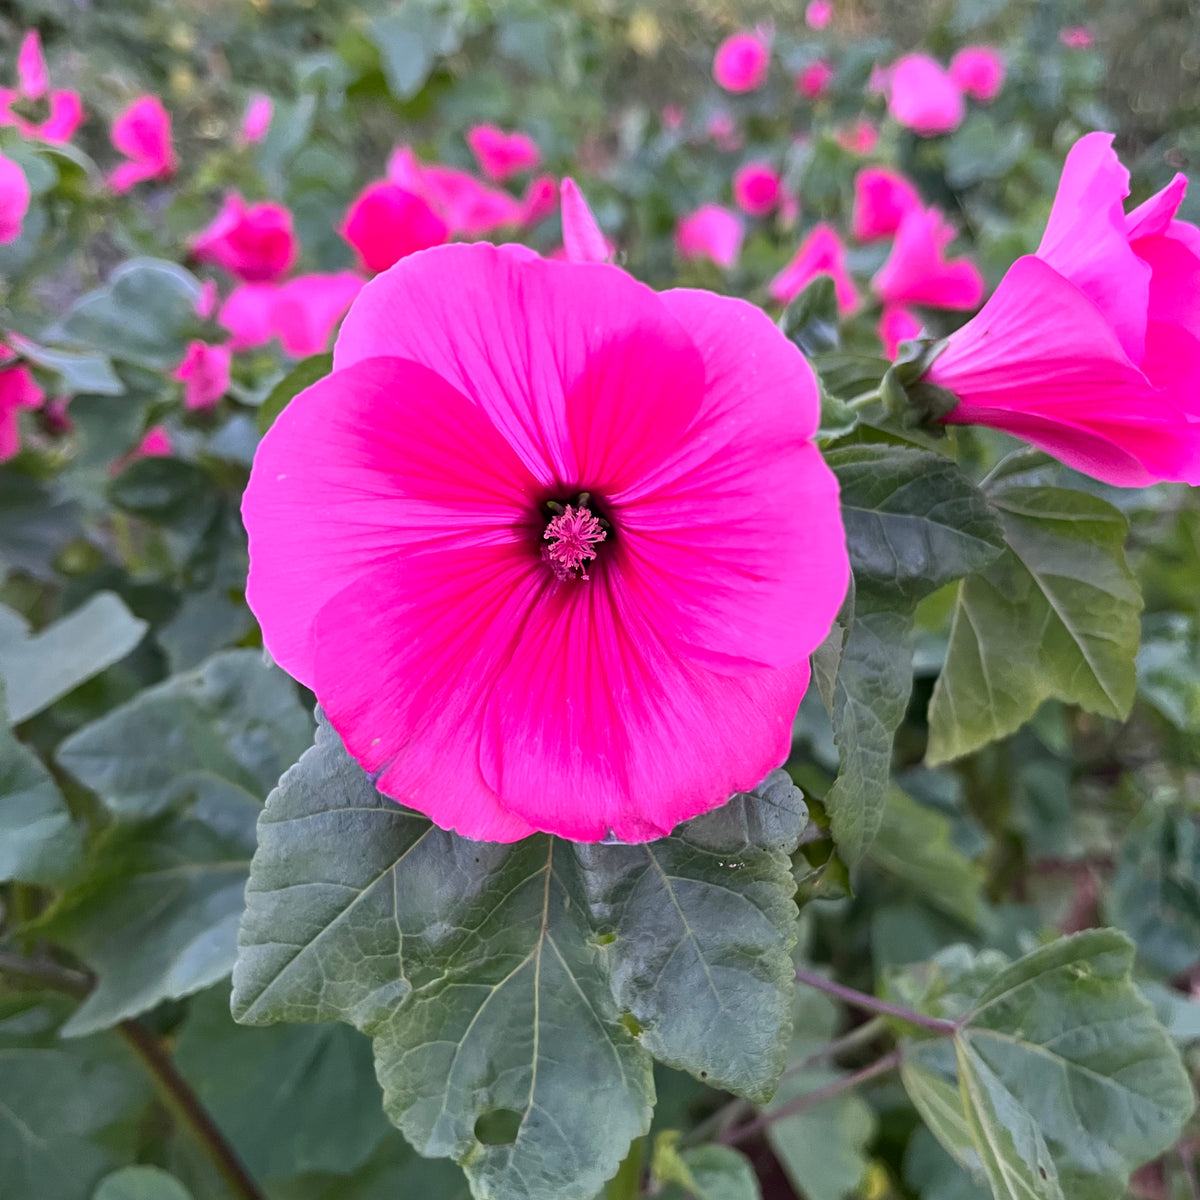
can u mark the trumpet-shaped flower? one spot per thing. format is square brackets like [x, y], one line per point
[551, 549]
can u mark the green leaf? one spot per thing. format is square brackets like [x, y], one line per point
[305, 373]
[810, 322]
[1056, 617]
[39, 842]
[933, 1174]
[36, 521]
[164, 489]
[410, 40]
[704, 1172]
[141, 315]
[141, 1183]
[80, 372]
[467, 962]
[291, 1098]
[227, 729]
[394, 1172]
[980, 150]
[43, 667]
[1066, 1081]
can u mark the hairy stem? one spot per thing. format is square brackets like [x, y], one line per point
[173, 1090]
[867, 1003]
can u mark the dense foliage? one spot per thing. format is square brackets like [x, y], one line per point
[950, 950]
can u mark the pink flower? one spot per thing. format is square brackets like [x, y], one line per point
[723, 130]
[204, 374]
[156, 444]
[583, 240]
[672, 117]
[897, 324]
[979, 72]
[249, 315]
[922, 96]
[501, 155]
[814, 80]
[821, 253]
[882, 198]
[65, 113]
[439, 609]
[467, 206]
[1090, 348]
[861, 137]
[916, 271]
[818, 14]
[385, 222]
[143, 134]
[14, 200]
[18, 390]
[1078, 37]
[711, 232]
[257, 119]
[540, 200]
[741, 62]
[756, 188]
[307, 310]
[255, 242]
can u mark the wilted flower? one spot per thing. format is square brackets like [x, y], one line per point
[922, 96]
[978, 71]
[64, 109]
[14, 200]
[711, 232]
[741, 62]
[143, 134]
[821, 253]
[917, 271]
[551, 549]
[385, 222]
[204, 373]
[882, 199]
[255, 242]
[501, 155]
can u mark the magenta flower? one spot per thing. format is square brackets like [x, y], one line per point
[204, 373]
[385, 222]
[540, 200]
[583, 240]
[155, 444]
[922, 96]
[897, 324]
[978, 71]
[757, 188]
[439, 608]
[14, 200]
[257, 119]
[18, 391]
[821, 253]
[741, 62]
[711, 232]
[917, 271]
[1090, 348]
[306, 310]
[882, 199]
[64, 108]
[818, 14]
[143, 134]
[501, 155]
[255, 242]
[814, 80]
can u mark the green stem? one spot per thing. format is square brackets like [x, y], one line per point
[626, 1184]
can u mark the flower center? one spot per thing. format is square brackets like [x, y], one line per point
[572, 535]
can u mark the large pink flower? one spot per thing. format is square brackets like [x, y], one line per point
[63, 109]
[385, 222]
[501, 155]
[143, 134]
[922, 96]
[917, 271]
[552, 549]
[821, 253]
[741, 62]
[882, 198]
[711, 232]
[979, 72]
[1090, 348]
[255, 242]
[14, 200]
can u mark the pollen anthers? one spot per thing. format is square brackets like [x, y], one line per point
[573, 533]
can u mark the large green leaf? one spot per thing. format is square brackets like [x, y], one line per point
[1055, 617]
[141, 1183]
[39, 668]
[39, 842]
[1066, 1082]
[503, 983]
[228, 728]
[410, 40]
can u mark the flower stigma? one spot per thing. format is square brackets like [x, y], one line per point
[573, 533]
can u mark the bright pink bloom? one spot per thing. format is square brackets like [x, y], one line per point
[156, 444]
[33, 83]
[882, 199]
[257, 119]
[711, 232]
[540, 199]
[255, 242]
[249, 315]
[143, 134]
[897, 324]
[307, 310]
[861, 137]
[1090, 348]
[757, 188]
[501, 155]
[723, 130]
[979, 72]
[821, 253]
[14, 200]
[477, 393]
[814, 80]
[204, 374]
[922, 96]
[467, 206]
[818, 14]
[916, 271]
[741, 62]
[1078, 37]
[18, 390]
[583, 240]
[385, 222]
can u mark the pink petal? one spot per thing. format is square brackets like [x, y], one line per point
[501, 155]
[255, 242]
[979, 72]
[540, 199]
[882, 199]
[204, 373]
[308, 308]
[757, 188]
[385, 223]
[821, 253]
[916, 273]
[711, 232]
[66, 115]
[815, 79]
[818, 14]
[142, 132]
[257, 118]
[922, 96]
[582, 239]
[897, 324]
[14, 200]
[741, 62]
[249, 314]
[31, 67]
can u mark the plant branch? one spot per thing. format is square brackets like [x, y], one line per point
[867, 1003]
[174, 1091]
[889, 1062]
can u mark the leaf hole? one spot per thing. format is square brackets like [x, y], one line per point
[703, 1074]
[498, 1127]
[1042, 1172]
